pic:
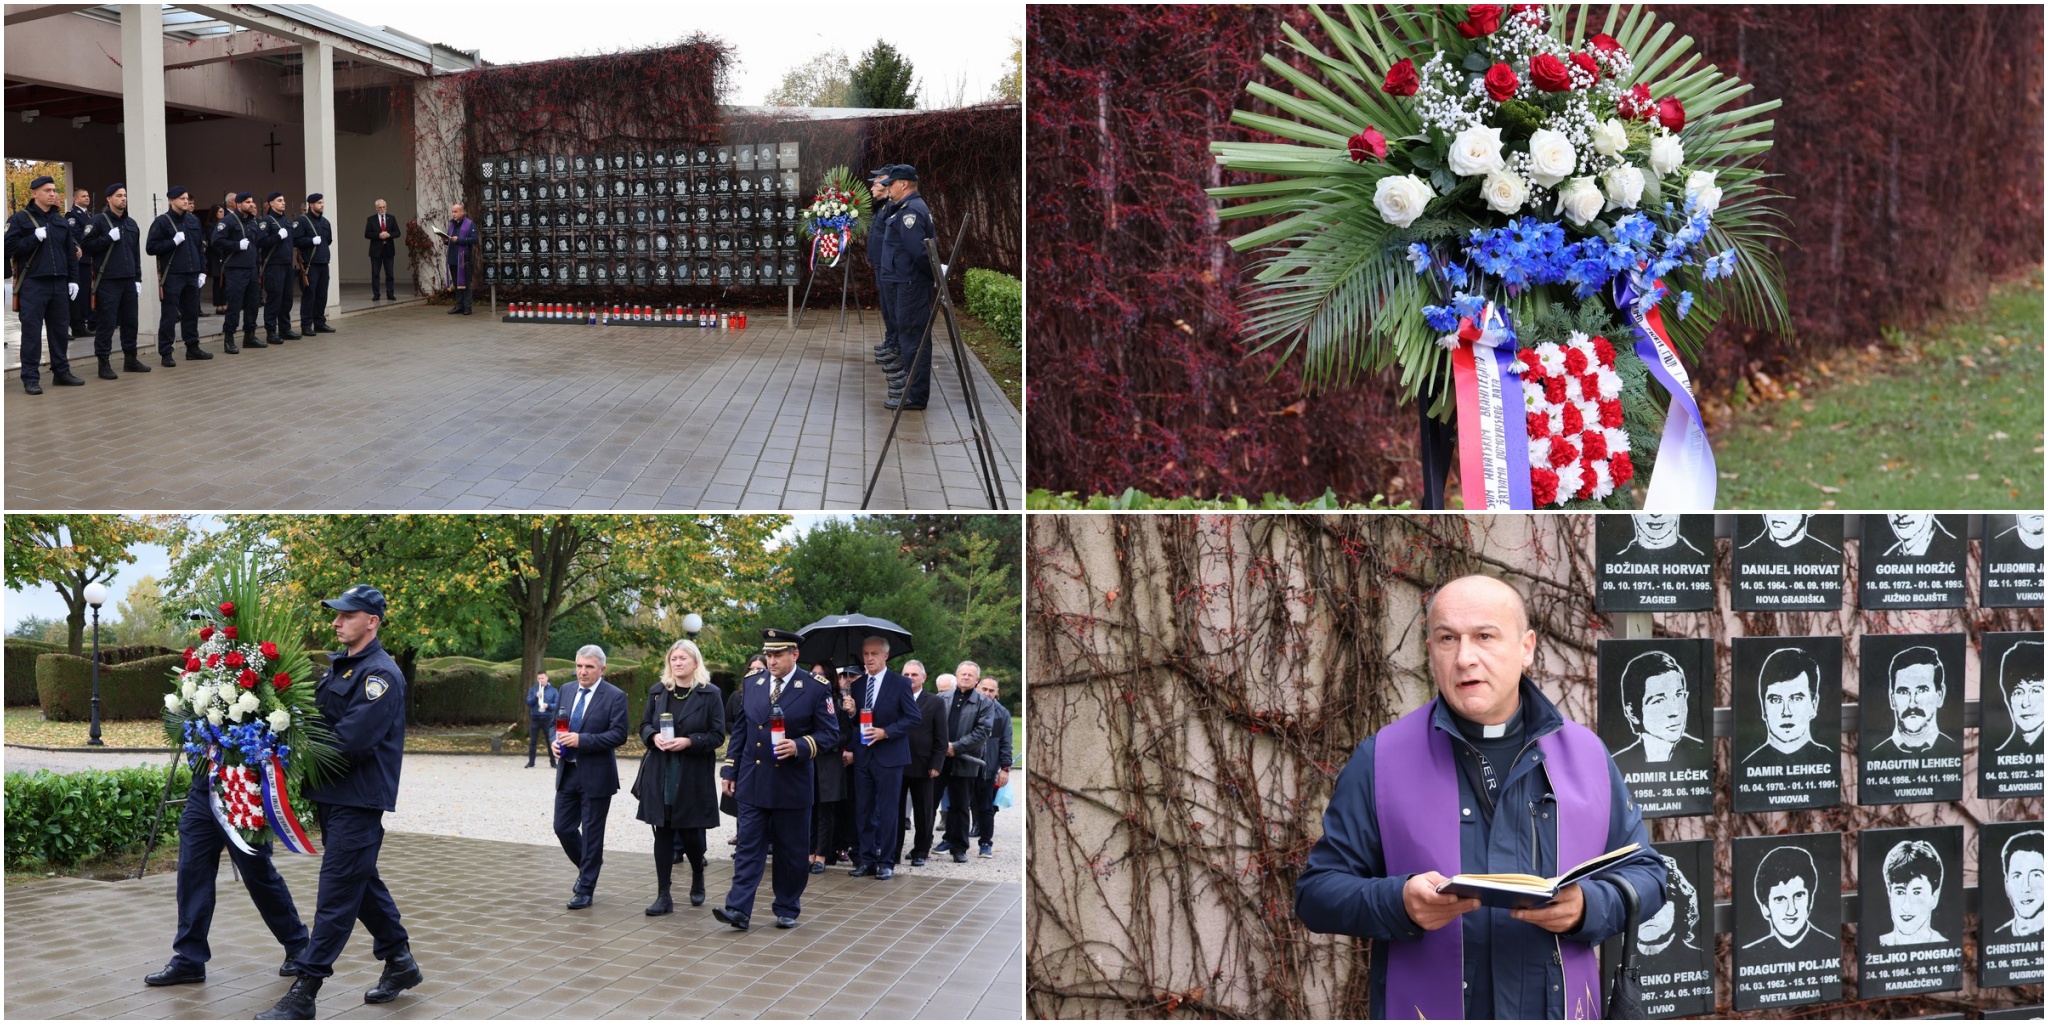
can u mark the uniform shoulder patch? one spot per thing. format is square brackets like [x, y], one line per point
[374, 687]
[910, 220]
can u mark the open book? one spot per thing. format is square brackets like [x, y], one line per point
[1513, 892]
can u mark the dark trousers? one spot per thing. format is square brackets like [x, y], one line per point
[911, 302]
[180, 309]
[313, 304]
[278, 282]
[462, 298]
[119, 308]
[665, 842]
[921, 802]
[784, 828]
[245, 297]
[537, 728]
[877, 792]
[200, 842]
[882, 304]
[579, 824]
[825, 828]
[82, 320]
[45, 304]
[985, 808]
[959, 809]
[382, 263]
[351, 891]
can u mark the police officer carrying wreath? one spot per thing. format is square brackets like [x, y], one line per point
[181, 271]
[40, 246]
[235, 240]
[115, 242]
[786, 718]
[362, 699]
[274, 270]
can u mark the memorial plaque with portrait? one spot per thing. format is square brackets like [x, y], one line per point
[1656, 703]
[786, 155]
[1910, 933]
[1788, 722]
[743, 157]
[2009, 760]
[1786, 562]
[1910, 749]
[2012, 561]
[1654, 562]
[1674, 948]
[1912, 560]
[2009, 921]
[1788, 920]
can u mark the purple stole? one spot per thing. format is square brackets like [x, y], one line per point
[458, 255]
[1415, 788]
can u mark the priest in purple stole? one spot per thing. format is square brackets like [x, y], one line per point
[1487, 778]
[461, 257]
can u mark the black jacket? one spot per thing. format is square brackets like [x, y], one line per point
[76, 220]
[274, 254]
[928, 740]
[228, 234]
[362, 698]
[187, 257]
[117, 261]
[700, 715]
[386, 246]
[50, 256]
[307, 227]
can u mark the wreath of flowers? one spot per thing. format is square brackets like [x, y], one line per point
[833, 219]
[1578, 449]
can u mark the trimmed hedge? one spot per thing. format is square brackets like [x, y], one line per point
[59, 819]
[473, 694]
[20, 668]
[997, 299]
[132, 690]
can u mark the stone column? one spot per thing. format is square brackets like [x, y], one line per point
[318, 64]
[142, 118]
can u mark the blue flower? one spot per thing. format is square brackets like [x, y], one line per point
[1418, 257]
[1441, 319]
[1455, 274]
[1469, 306]
[1635, 229]
[1684, 304]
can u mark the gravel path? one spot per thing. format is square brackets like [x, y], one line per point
[481, 796]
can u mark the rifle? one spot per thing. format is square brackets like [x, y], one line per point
[99, 267]
[299, 257]
[163, 269]
[21, 272]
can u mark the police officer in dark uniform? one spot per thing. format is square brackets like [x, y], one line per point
[908, 277]
[883, 208]
[174, 240]
[81, 305]
[362, 699]
[115, 242]
[40, 241]
[234, 239]
[314, 236]
[274, 270]
[773, 780]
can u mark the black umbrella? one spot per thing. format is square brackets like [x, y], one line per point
[836, 639]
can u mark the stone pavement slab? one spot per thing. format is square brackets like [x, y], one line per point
[409, 408]
[494, 941]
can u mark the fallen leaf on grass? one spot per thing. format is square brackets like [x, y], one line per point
[1823, 488]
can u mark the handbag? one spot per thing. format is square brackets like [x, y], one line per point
[1625, 995]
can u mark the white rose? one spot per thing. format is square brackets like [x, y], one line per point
[280, 720]
[1476, 151]
[235, 712]
[227, 693]
[1701, 185]
[1505, 191]
[1610, 139]
[1624, 187]
[1401, 200]
[1579, 200]
[1666, 153]
[213, 716]
[199, 702]
[248, 704]
[190, 688]
[1551, 157]
[172, 703]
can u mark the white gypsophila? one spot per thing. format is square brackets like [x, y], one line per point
[1579, 200]
[1401, 199]
[214, 716]
[280, 720]
[1476, 151]
[1610, 138]
[1666, 154]
[1441, 100]
[1504, 192]
[1610, 382]
[1707, 195]
[1552, 157]
[1624, 187]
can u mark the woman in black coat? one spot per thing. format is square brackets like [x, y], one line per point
[727, 803]
[831, 777]
[677, 786]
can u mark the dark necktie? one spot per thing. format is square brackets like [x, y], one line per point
[874, 689]
[576, 716]
[775, 689]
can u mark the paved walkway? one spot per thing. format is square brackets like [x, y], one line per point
[409, 408]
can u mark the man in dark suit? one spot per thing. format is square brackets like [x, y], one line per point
[380, 229]
[541, 704]
[879, 757]
[921, 776]
[995, 769]
[588, 774]
[786, 718]
[969, 718]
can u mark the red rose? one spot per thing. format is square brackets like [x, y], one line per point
[227, 609]
[1636, 103]
[1585, 62]
[230, 632]
[1517, 9]
[1553, 389]
[1586, 483]
[247, 680]
[1539, 425]
[1595, 444]
[1622, 469]
[188, 653]
[192, 664]
[269, 650]
[1574, 420]
[1480, 20]
[1501, 83]
[213, 661]
[1543, 486]
[205, 633]
[1549, 73]
[1574, 361]
[281, 681]
[1604, 351]
[1605, 43]
[1562, 453]
[1671, 113]
[1368, 143]
[235, 659]
[1401, 80]
[1610, 412]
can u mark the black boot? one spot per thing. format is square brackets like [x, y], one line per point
[166, 360]
[193, 351]
[696, 879]
[661, 905]
[401, 972]
[297, 1004]
[130, 364]
[285, 332]
[270, 336]
[227, 344]
[249, 339]
[65, 378]
[107, 369]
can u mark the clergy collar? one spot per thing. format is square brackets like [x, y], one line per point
[1475, 731]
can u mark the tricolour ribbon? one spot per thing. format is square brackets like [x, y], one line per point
[277, 807]
[1683, 477]
[1493, 434]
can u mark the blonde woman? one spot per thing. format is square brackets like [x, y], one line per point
[677, 786]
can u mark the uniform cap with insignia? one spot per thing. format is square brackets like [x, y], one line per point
[779, 640]
[359, 598]
[900, 172]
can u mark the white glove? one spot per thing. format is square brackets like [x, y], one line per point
[74, 289]
[316, 239]
[282, 233]
[115, 234]
[42, 234]
[245, 244]
[202, 281]
[178, 238]
[138, 287]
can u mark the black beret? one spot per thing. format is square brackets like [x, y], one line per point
[243, 197]
[40, 181]
[175, 191]
[314, 198]
[273, 196]
[115, 187]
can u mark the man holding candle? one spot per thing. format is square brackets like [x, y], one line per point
[888, 715]
[786, 718]
[592, 726]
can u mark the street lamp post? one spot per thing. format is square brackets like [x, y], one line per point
[693, 624]
[95, 595]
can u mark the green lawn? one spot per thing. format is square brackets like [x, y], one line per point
[1944, 418]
